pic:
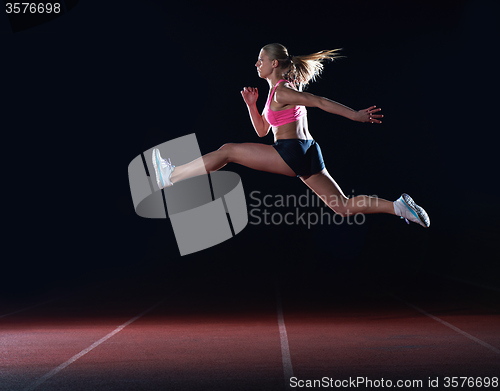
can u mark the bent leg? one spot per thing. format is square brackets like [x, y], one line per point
[256, 156]
[330, 192]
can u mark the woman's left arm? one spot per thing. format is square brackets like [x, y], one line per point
[287, 96]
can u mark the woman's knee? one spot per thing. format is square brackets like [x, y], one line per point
[343, 211]
[228, 151]
[339, 204]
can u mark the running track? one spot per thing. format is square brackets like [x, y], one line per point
[128, 335]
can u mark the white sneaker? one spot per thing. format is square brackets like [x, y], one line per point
[163, 169]
[405, 207]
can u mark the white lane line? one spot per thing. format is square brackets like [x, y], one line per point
[285, 350]
[471, 337]
[55, 371]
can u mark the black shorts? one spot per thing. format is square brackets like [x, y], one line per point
[302, 156]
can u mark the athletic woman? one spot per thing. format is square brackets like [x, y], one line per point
[294, 153]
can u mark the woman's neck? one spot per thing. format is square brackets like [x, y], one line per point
[273, 80]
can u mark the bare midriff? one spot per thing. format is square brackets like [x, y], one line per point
[293, 130]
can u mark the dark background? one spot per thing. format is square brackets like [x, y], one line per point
[87, 92]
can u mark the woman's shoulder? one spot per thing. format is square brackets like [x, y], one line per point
[286, 85]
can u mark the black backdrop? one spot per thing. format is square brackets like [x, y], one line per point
[87, 92]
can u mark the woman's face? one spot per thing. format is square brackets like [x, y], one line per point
[264, 65]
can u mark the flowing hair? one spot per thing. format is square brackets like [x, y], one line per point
[300, 70]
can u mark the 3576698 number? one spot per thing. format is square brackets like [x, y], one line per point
[32, 8]
[470, 382]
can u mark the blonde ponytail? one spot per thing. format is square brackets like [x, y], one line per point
[300, 70]
[305, 69]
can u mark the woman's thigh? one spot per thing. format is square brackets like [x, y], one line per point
[258, 157]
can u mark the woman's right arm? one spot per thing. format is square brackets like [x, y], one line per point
[259, 123]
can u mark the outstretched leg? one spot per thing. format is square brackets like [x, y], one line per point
[329, 191]
[331, 194]
[256, 156]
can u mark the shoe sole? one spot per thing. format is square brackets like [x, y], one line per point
[159, 179]
[418, 211]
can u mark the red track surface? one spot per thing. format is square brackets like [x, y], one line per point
[230, 339]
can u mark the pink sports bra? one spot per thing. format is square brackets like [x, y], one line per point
[282, 117]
